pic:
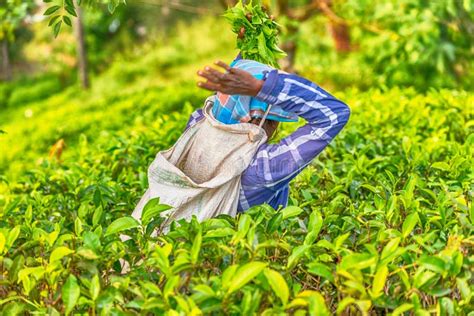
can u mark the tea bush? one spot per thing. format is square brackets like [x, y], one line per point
[28, 90]
[380, 223]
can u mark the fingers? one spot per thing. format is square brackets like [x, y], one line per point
[209, 86]
[208, 75]
[216, 73]
[223, 65]
[215, 80]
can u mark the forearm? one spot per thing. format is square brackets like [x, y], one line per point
[325, 114]
[276, 164]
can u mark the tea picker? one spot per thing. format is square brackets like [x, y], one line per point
[223, 162]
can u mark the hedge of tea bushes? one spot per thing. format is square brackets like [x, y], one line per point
[380, 223]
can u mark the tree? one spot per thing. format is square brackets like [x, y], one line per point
[12, 13]
[82, 64]
[401, 39]
[6, 65]
[292, 13]
[63, 14]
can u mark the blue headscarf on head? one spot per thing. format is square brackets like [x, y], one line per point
[233, 109]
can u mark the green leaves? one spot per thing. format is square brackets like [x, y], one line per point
[358, 261]
[380, 278]
[296, 254]
[409, 224]
[52, 9]
[243, 275]
[57, 28]
[464, 289]
[278, 284]
[432, 263]
[257, 33]
[291, 211]
[68, 10]
[196, 247]
[2, 242]
[349, 230]
[153, 209]
[315, 224]
[67, 20]
[122, 224]
[70, 293]
[390, 248]
[59, 253]
[8, 238]
[322, 270]
[95, 287]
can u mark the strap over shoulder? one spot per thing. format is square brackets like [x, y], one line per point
[255, 132]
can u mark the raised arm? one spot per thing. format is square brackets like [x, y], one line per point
[276, 164]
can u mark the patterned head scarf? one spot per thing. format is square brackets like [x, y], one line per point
[233, 109]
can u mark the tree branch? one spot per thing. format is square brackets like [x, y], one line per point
[307, 11]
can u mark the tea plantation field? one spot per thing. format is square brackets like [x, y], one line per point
[380, 223]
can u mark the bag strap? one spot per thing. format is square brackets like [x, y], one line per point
[265, 116]
[210, 99]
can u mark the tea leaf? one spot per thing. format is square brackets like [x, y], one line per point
[315, 224]
[441, 165]
[321, 270]
[316, 302]
[296, 254]
[433, 263]
[390, 248]
[380, 278]
[400, 310]
[245, 274]
[12, 236]
[59, 253]
[121, 224]
[358, 261]
[70, 293]
[196, 247]
[152, 209]
[2, 242]
[409, 224]
[291, 211]
[278, 284]
[464, 288]
[95, 287]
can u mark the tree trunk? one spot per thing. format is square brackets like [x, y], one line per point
[288, 63]
[341, 36]
[6, 64]
[81, 50]
[290, 46]
[338, 27]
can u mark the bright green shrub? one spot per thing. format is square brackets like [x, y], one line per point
[380, 223]
[32, 91]
[5, 91]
